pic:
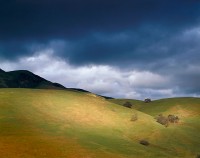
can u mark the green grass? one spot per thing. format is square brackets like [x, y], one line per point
[163, 105]
[182, 137]
[57, 124]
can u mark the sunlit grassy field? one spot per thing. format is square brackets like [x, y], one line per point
[67, 124]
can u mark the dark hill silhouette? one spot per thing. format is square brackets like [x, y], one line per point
[27, 79]
[1, 71]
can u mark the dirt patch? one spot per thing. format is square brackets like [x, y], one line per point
[181, 112]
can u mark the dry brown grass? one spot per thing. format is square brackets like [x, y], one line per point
[181, 112]
[44, 146]
[41, 147]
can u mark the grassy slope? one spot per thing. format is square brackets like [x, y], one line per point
[56, 124]
[183, 137]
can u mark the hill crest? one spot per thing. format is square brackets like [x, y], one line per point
[25, 79]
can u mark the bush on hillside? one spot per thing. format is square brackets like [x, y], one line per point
[147, 100]
[127, 104]
[166, 120]
[162, 120]
[173, 119]
[144, 142]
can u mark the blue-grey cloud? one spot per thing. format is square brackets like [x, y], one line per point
[27, 19]
[159, 37]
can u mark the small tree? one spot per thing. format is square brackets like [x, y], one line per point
[127, 104]
[147, 100]
[144, 142]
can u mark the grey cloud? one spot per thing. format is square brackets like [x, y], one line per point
[70, 19]
[154, 36]
[100, 79]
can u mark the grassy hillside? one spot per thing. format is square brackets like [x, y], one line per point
[185, 133]
[179, 106]
[136, 103]
[58, 124]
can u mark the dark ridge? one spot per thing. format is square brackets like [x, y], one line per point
[84, 91]
[59, 85]
[1, 71]
[27, 79]
[78, 89]
[106, 97]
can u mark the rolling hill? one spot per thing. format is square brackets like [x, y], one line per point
[179, 106]
[25, 79]
[39, 123]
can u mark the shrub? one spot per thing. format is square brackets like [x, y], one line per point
[144, 142]
[127, 104]
[134, 117]
[173, 119]
[162, 120]
[166, 120]
[147, 100]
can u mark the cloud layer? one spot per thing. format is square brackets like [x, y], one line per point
[121, 48]
[100, 79]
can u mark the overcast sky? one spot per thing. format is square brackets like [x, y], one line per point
[119, 48]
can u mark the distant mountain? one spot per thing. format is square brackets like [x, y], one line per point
[82, 90]
[27, 79]
[1, 71]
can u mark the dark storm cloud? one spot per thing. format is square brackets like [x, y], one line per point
[28, 22]
[28, 19]
[158, 36]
